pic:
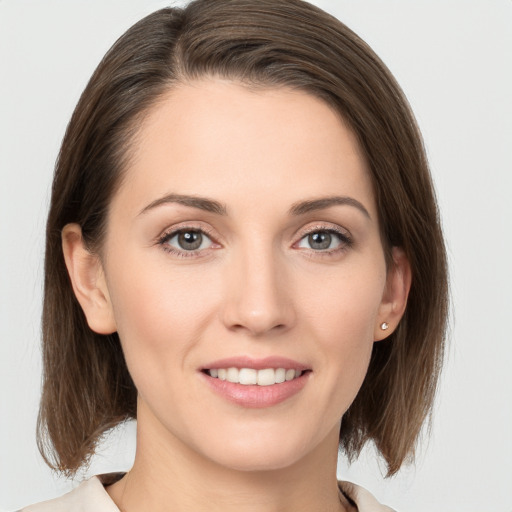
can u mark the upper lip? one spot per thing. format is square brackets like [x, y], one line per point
[256, 363]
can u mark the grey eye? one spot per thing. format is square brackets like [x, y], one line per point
[321, 240]
[189, 240]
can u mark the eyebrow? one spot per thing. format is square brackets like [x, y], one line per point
[322, 203]
[299, 208]
[202, 203]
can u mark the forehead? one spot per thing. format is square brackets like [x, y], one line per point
[222, 139]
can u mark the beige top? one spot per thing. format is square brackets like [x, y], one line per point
[91, 496]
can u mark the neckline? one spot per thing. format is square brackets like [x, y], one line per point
[345, 488]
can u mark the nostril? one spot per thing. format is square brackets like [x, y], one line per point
[258, 328]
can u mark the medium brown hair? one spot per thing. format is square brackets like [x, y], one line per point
[87, 389]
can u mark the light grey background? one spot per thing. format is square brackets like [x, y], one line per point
[453, 59]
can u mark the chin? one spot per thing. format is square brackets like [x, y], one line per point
[260, 452]
[258, 462]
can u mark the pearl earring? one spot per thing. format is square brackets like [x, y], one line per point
[384, 326]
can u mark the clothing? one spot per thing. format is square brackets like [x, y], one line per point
[90, 496]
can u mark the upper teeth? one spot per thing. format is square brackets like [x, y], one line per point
[250, 376]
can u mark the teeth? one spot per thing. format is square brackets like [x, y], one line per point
[280, 375]
[247, 376]
[266, 377]
[232, 374]
[290, 374]
[250, 376]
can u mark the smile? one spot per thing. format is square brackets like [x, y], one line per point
[253, 377]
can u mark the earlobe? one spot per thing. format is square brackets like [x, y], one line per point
[394, 299]
[88, 280]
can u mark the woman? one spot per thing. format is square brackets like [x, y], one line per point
[243, 253]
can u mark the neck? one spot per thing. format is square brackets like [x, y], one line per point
[170, 476]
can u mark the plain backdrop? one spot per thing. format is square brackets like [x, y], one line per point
[453, 59]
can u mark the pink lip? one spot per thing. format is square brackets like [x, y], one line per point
[256, 396]
[257, 364]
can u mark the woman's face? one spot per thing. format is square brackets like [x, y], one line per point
[243, 244]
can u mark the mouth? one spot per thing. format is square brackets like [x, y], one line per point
[254, 377]
[256, 383]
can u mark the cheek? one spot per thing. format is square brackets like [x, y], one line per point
[152, 328]
[344, 310]
[159, 314]
[342, 320]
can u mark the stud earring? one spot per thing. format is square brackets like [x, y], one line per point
[384, 326]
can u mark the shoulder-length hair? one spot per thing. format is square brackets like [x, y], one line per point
[87, 389]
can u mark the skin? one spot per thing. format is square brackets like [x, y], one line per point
[256, 287]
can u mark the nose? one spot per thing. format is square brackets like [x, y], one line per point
[258, 297]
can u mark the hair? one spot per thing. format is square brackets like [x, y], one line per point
[87, 388]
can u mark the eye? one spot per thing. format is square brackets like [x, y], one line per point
[324, 240]
[186, 240]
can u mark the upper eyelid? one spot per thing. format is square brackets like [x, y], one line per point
[207, 230]
[343, 234]
[191, 226]
[164, 238]
[323, 226]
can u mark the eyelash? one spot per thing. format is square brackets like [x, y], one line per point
[346, 241]
[169, 235]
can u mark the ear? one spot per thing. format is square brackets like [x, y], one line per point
[88, 280]
[394, 299]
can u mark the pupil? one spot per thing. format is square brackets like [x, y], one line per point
[320, 240]
[190, 240]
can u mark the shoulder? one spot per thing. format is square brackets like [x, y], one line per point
[89, 495]
[361, 498]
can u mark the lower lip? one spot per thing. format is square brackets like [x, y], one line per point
[257, 396]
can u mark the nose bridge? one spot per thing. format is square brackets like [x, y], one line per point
[257, 298]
